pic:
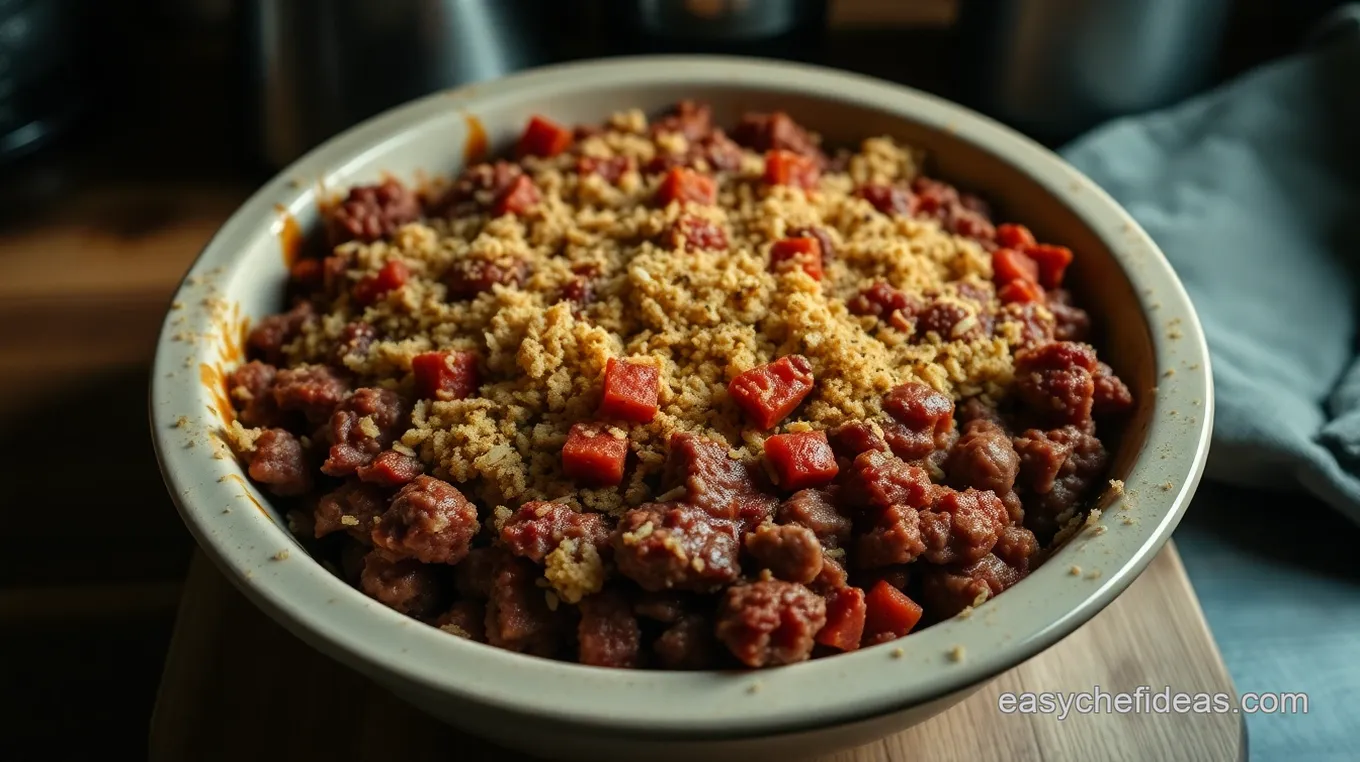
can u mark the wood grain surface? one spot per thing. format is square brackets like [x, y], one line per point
[237, 686]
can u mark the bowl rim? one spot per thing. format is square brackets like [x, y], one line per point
[298, 592]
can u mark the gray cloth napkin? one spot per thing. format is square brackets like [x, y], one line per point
[1253, 192]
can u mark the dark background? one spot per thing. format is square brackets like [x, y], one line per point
[158, 131]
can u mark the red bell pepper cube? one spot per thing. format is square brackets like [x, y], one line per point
[1053, 261]
[845, 614]
[392, 276]
[801, 460]
[684, 184]
[543, 137]
[631, 391]
[449, 375]
[789, 168]
[768, 393]
[1014, 236]
[593, 456]
[889, 613]
[1009, 265]
[518, 197]
[1021, 292]
[806, 252]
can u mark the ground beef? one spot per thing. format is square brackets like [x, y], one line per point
[251, 389]
[428, 520]
[983, 458]
[974, 409]
[474, 575]
[517, 614]
[1017, 546]
[949, 320]
[406, 586]
[350, 508]
[267, 340]
[313, 390]
[536, 529]
[689, 118]
[666, 606]
[961, 527]
[371, 212]
[279, 463]
[1110, 395]
[466, 619]
[947, 590]
[832, 577]
[476, 187]
[355, 340]
[925, 420]
[789, 551]
[1054, 381]
[897, 575]
[1035, 326]
[770, 622]
[1069, 323]
[775, 131]
[816, 510]
[720, 485]
[467, 278]
[608, 634]
[687, 644]
[390, 469]
[669, 545]
[894, 538]
[850, 439]
[363, 426]
[1057, 470]
[877, 480]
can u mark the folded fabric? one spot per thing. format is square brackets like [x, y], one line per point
[1253, 192]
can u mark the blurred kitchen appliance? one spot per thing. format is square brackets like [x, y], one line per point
[319, 66]
[775, 28]
[40, 90]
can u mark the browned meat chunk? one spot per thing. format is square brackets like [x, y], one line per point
[692, 119]
[608, 634]
[517, 613]
[666, 606]
[962, 527]
[469, 277]
[1111, 396]
[351, 508]
[983, 458]
[390, 469]
[776, 131]
[948, 590]
[406, 586]
[789, 551]
[1057, 470]
[355, 340]
[850, 439]
[666, 545]
[268, 339]
[926, 419]
[361, 427]
[279, 463]
[687, 644]
[832, 577]
[428, 520]
[1035, 327]
[816, 510]
[474, 575]
[251, 389]
[894, 538]
[536, 529]
[1069, 323]
[371, 212]
[1017, 547]
[950, 321]
[466, 619]
[878, 480]
[313, 390]
[771, 622]
[477, 187]
[1054, 380]
[720, 485]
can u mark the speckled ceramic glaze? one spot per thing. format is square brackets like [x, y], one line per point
[1150, 335]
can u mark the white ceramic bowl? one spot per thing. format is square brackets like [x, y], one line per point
[561, 709]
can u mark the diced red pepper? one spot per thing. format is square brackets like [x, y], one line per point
[889, 613]
[801, 460]
[1009, 265]
[1020, 292]
[1014, 236]
[806, 252]
[449, 375]
[593, 456]
[518, 197]
[631, 391]
[685, 184]
[1053, 261]
[768, 393]
[888, 199]
[789, 168]
[392, 276]
[308, 273]
[845, 611]
[543, 137]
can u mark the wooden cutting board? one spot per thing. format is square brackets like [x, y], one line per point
[237, 686]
